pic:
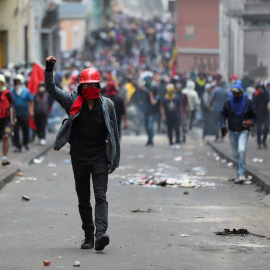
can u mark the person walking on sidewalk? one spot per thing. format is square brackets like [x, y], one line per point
[239, 112]
[23, 104]
[170, 110]
[42, 104]
[91, 129]
[7, 119]
[260, 101]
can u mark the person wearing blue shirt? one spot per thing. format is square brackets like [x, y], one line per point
[239, 112]
[23, 104]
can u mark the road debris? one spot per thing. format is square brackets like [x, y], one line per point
[19, 174]
[46, 263]
[142, 211]
[25, 198]
[178, 159]
[241, 232]
[185, 193]
[184, 235]
[76, 264]
[52, 164]
[260, 160]
[38, 160]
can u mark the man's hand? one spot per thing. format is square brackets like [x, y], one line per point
[111, 170]
[224, 131]
[247, 123]
[125, 125]
[50, 61]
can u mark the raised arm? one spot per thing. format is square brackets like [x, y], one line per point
[56, 93]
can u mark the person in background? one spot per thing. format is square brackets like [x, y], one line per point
[193, 101]
[7, 118]
[200, 87]
[208, 128]
[170, 110]
[42, 104]
[260, 101]
[218, 98]
[151, 110]
[239, 112]
[23, 104]
[119, 103]
[184, 108]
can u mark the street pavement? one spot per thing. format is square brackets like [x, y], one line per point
[150, 227]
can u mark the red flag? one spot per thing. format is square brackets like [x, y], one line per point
[37, 76]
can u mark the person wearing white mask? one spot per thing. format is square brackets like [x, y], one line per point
[7, 118]
[23, 104]
[42, 104]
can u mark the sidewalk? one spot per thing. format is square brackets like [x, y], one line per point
[260, 171]
[18, 161]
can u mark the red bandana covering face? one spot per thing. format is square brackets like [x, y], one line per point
[91, 93]
[88, 93]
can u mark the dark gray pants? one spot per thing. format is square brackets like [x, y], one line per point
[82, 174]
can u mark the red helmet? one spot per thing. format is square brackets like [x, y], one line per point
[90, 75]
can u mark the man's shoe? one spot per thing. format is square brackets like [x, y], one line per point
[240, 179]
[102, 241]
[87, 244]
[5, 162]
[264, 144]
[17, 150]
[26, 147]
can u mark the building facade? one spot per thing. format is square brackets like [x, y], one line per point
[198, 35]
[23, 31]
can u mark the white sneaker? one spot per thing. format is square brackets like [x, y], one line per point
[42, 142]
[172, 146]
[177, 146]
[240, 179]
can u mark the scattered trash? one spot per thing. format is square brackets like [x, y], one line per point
[198, 217]
[230, 180]
[67, 214]
[178, 159]
[25, 198]
[76, 264]
[55, 174]
[67, 161]
[19, 173]
[198, 171]
[142, 211]
[217, 158]
[257, 160]
[235, 232]
[185, 193]
[38, 160]
[31, 178]
[223, 161]
[140, 156]
[52, 164]
[232, 186]
[184, 235]
[46, 263]
[230, 164]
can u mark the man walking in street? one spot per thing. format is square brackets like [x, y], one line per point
[23, 104]
[42, 103]
[7, 120]
[239, 112]
[170, 110]
[91, 129]
[218, 98]
[119, 104]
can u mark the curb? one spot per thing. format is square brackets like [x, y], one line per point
[11, 174]
[260, 179]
